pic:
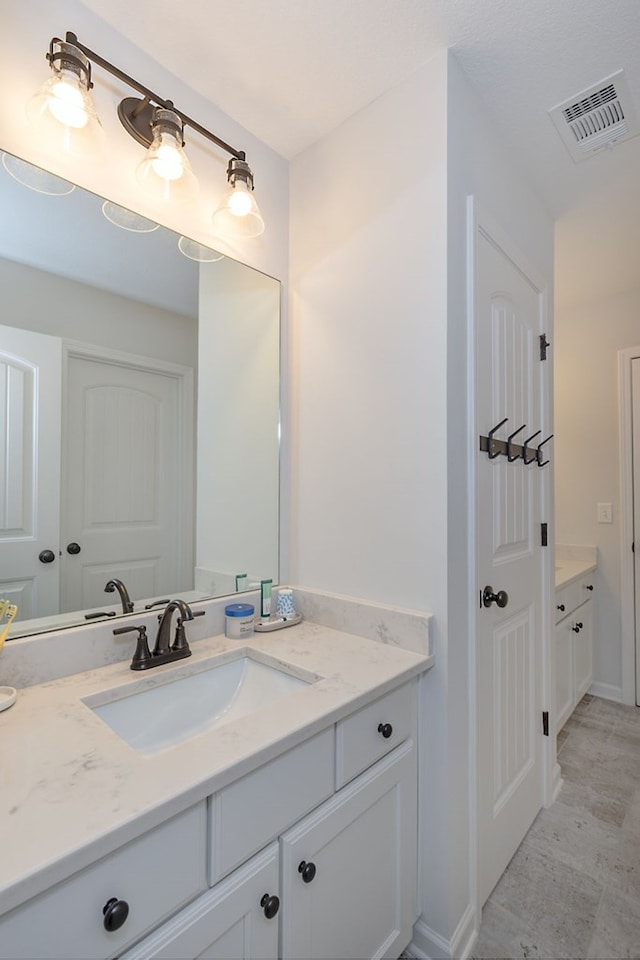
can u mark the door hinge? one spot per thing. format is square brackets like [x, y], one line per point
[544, 535]
[544, 343]
[545, 722]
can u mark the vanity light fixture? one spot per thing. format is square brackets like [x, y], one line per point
[63, 108]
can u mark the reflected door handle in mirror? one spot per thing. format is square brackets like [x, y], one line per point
[46, 556]
[73, 548]
[489, 597]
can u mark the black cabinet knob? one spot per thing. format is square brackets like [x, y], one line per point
[73, 548]
[115, 913]
[385, 729]
[588, 586]
[308, 870]
[270, 905]
[46, 556]
[577, 627]
[560, 607]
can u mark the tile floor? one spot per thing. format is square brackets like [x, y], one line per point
[573, 887]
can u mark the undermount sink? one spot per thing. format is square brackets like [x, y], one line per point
[168, 713]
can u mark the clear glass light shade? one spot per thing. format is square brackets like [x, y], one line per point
[238, 215]
[62, 110]
[165, 173]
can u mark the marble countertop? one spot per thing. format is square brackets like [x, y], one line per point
[569, 570]
[71, 790]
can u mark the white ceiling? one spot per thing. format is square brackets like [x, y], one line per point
[292, 70]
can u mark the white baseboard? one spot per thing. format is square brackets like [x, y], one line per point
[429, 945]
[608, 691]
[556, 782]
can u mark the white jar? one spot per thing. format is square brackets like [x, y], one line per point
[238, 620]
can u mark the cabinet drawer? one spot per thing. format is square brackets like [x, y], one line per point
[361, 740]
[568, 598]
[249, 813]
[156, 874]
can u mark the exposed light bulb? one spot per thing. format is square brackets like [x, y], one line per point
[238, 215]
[240, 200]
[165, 173]
[66, 102]
[62, 110]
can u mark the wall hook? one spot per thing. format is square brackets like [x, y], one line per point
[492, 443]
[539, 455]
[509, 439]
[526, 444]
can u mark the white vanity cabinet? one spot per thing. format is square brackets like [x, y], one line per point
[574, 644]
[144, 882]
[349, 868]
[238, 918]
[313, 854]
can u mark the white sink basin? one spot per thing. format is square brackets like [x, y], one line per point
[170, 712]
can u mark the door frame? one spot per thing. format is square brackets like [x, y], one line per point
[627, 585]
[479, 221]
[184, 376]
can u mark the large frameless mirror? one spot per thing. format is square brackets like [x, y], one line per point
[139, 411]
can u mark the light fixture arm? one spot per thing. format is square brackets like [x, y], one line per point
[149, 96]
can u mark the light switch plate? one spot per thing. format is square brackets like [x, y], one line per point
[605, 513]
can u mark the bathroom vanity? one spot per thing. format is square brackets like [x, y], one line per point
[288, 831]
[574, 602]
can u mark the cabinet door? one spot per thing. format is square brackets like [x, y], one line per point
[583, 649]
[227, 923]
[564, 671]
[356, 897]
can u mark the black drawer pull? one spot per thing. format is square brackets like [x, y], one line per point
[385, 729]
[307, 870]
[560, 607]
[115, 913]
[270, 905]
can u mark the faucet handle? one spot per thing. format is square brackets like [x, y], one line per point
[180, 642]
[142, 656]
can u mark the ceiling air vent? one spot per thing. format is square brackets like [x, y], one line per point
[596, 118]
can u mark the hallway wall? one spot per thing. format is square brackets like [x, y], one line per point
[587, 449]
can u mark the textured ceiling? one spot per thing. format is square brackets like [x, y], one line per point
[292, 70]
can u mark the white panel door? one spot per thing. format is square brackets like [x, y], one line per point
[30, 365]
[509, 311]
[122, 471]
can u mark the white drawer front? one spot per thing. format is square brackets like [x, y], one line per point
[156, 874]
[567, 599]
[249, 813]
[361, 740]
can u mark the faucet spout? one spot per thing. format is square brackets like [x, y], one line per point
[164, 630]
[115, 584]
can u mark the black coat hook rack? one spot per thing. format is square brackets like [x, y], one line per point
[494, 447]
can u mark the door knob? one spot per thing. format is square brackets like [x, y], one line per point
[73, 548]
[489, 597]
[46, 556]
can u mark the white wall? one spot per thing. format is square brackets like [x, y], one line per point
[238, 420]
[369, 284]
[36, 300]
[588, 337]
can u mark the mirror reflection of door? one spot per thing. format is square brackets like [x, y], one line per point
[30, 375]
[127, 474]
[123, 480]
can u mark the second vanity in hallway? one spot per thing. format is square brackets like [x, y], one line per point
[573, 617]
[274, 834]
